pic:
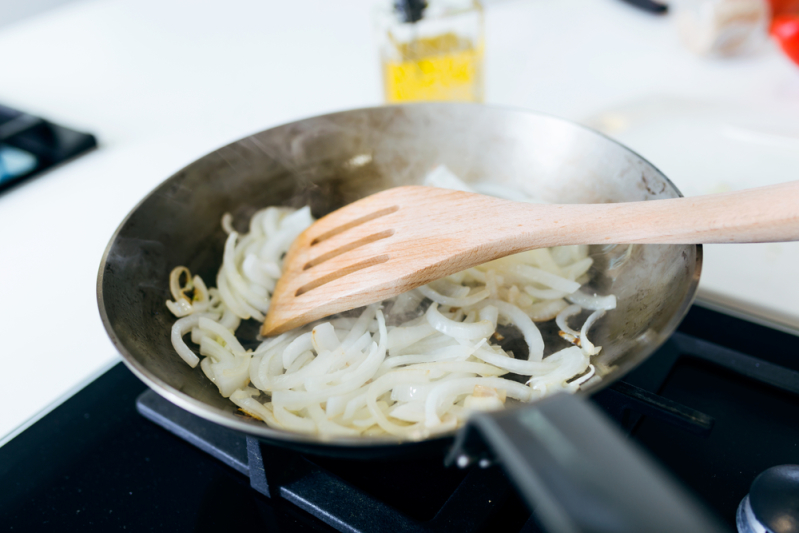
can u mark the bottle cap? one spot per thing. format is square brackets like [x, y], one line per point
[410, 10]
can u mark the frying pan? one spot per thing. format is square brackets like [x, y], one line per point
[329, 161]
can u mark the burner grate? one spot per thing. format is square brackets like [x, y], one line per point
[295, 478]
[345, 496]
[93, 463]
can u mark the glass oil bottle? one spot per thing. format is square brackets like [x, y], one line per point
[432, 51]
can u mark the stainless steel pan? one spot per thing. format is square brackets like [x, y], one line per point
[332, 160]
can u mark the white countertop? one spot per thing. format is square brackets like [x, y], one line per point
[161, 82]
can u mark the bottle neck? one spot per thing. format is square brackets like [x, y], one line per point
[410, 11]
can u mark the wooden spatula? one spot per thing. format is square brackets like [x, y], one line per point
[399, 239]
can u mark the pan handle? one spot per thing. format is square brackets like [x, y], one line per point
[578, 472]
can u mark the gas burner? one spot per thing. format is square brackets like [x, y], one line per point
[95, 464]
[461, 499]
[441, 499]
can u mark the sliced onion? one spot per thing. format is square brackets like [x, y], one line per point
[453, 302]
[360, 327]
[227, 223]
[179, 329]
[402, 337]
[586, 345]
[517, 366]
[357, 376]
[545, 278]
[570, 362]
[290, 228]
[535, 343]
[234, 278]
[451, 389]
[386, 383]
[545, 311]
[578, 269]
[544, 294]
[174, 282]
[593, 302]
[328, 427]
[324, 337]
[562, 319]
[301, 344]
[243, 398]
[458, 330]
[180, 307]
[224, 333]
[291, 421]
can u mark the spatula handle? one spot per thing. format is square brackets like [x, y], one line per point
[765, 214]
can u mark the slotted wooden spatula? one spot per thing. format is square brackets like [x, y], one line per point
[399, 239]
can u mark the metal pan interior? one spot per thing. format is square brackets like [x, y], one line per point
[332, 160]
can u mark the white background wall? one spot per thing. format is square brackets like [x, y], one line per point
[13, 10]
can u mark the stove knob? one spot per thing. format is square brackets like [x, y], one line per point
[772, 505]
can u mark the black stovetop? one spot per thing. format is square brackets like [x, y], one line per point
[95, 464]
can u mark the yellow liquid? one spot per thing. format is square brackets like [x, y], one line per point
[442, 68]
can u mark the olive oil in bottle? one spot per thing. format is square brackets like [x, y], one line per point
[433, 51]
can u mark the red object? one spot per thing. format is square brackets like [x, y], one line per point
[785, 28]
[782, 7]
